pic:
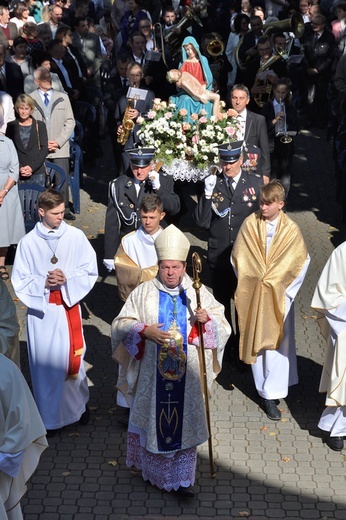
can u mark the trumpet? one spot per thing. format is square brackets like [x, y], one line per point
[281, 126]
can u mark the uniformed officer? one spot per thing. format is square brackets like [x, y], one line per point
[229, 197]
[126, 193]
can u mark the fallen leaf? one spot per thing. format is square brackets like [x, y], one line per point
[264, 428]
[66, 473]
[85, 227]
[99, 418]
[90, 236]
[304, 317]
[284, 420]
[93, 407]
[282, 410]
[231, 386]
[16, 299]
[244, 514]
[272, 434]
[112, 463]
[101, 231]
[313, 317]
[286, 459]
[73, 434]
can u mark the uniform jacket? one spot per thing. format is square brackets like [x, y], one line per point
[62, 121]
[122, 215]
[223, 215]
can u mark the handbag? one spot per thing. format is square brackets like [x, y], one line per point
[47, 182]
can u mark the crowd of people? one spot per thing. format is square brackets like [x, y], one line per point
[278, 66]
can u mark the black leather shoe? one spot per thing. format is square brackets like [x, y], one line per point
[69, 216]
[334, 443]
[270, 408]
[85, 416]
[185, 492]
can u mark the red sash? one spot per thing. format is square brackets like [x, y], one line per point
[75, 333]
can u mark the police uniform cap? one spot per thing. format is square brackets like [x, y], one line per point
[230, 152]
[141, 157]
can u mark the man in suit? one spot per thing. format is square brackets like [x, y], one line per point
[8, 30]
[254, 129]
[55, 17]
[135, 76]
[319, 55]
[248, 48]
[229, 197]
[11, 76]
[88, 44]
[54, 108]
[125, 196]
[57, 53]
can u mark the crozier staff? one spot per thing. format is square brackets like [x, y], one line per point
[158, 345]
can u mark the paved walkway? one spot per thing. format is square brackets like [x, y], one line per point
[265, 470]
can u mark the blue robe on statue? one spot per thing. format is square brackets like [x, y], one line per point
[184, 100]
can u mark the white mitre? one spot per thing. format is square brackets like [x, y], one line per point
[172, 244]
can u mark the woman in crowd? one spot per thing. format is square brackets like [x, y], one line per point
[30, 34]
[197, 65]
[21, 15]
[11, 217]
[241, 26]
[20, 56]
[42, 59]
[30, 140]
[130, 21]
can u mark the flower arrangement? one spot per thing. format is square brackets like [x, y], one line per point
[187, 150]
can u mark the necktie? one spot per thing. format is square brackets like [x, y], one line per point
[46, 99]
[230, 185]
[125, 83]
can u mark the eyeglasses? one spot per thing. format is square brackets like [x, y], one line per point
[145, 26]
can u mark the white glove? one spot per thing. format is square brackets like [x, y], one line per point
[155, 180]
[209, 185]
[109, 264]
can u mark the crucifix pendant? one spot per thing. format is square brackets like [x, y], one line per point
[53, 260]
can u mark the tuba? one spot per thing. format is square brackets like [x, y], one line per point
[295, 24]
[173, 39]
[127, 123]
[278, 54]
[215, 48]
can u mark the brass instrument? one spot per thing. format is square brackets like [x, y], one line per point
[215, 48]
[173, 38]
[281, 126]
[295, 24]
[127, 123]
[278, 54]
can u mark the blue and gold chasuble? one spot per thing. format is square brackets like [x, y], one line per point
[171, 372]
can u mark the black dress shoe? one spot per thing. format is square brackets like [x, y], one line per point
[85, 416]
[270, 408]
[185, 492]
[334, 443]
[69, 216]
[51, 433]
